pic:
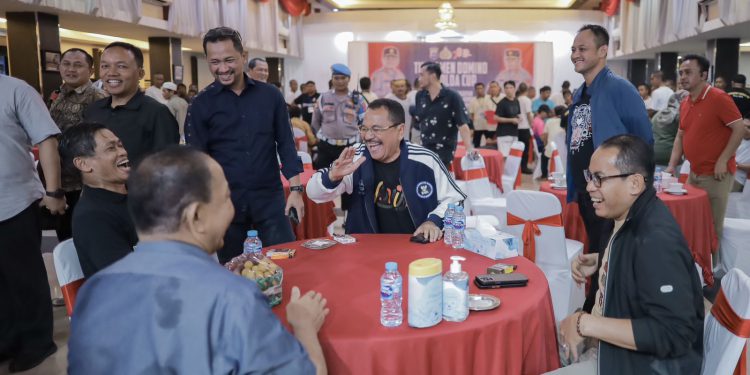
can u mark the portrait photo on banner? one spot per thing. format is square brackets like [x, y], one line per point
[462, 64]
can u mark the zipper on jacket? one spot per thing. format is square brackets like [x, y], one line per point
[407, 205]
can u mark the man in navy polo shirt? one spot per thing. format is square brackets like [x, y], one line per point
[243, 124]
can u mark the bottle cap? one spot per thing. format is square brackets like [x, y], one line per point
[460, 208]
[451, 205]
[391, 266]
[456, 266]
[252, 233]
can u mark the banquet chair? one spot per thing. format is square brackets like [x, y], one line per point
[538, 165]
[738, 205]
[69, 272]
[562, 149]
[735, 252]
[684, 172]
[300, 139]
[555, 162]
[536, 219]
[727, 327]
[512, 169]
[483, 197]
[306, 160]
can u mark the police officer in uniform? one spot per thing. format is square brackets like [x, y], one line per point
[514, 70]
[381, 78]
[336, 117]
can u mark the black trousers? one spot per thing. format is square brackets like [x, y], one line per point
[64, 223]
[264, 212]
[327, 154]
[595, 228]
[26, 307]
[477, 138]
[524, 135]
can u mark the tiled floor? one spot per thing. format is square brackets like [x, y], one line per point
[57, 363]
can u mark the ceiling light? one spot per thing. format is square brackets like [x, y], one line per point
[341, 40]
[335, 10]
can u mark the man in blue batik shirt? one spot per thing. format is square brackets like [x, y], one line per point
[169, 307]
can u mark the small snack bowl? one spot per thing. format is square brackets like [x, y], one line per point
[257, 267]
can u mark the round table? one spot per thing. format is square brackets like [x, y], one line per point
[517, 338]
[692, 212]
[317, 216]
[493, 162]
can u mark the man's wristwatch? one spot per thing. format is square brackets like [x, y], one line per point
[59, 193]
[298, 188]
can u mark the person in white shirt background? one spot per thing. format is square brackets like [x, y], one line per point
[742, 157]
[399, 94]
[157, 80]
[660, 92]
[293, 92]
[645, 93]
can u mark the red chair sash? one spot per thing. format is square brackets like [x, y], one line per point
[552, 166]
[299, 140]
[683, 178]
[531, 230]
[69, 292]
[726, 316]
[475, 174]
[307, 166]
[516, 152]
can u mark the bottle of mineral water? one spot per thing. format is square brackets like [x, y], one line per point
[252, 243]
[448, 224]
[657, 180]
[459, 223]
[391, 314]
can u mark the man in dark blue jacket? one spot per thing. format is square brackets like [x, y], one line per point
[606, 105]
[396, 186]
[648, 312]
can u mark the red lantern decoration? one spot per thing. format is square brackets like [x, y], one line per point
[296, 7]
[610, 7]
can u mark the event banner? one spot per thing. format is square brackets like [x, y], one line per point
[462, 64]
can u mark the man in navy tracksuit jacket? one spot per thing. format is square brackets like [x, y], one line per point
[396, 186]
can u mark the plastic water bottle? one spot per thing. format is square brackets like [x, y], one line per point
[391, 283]
[459, 224]
[448, 224]
[657, 180]
[252, 243]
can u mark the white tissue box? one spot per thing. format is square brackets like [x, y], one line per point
[497, 245]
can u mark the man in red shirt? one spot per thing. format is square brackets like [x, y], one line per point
[710, 132]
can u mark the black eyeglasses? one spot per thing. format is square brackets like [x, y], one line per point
[598, 179]
[376, 130]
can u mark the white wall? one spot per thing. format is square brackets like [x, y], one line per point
[326, 35]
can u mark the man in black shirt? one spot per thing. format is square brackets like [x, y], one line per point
[103, 232]
[508, 116]
[396, 186]
[306, 101]
[142, 124]
[740, 95]
[244, 125]
[441, 114]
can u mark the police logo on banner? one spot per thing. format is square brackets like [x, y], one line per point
[424, 189]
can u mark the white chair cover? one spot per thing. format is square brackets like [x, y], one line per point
[684, 172]
[562, 148]
[559, 166]
[738, 205]
[483, 197]
[306, 159]
[538, 165]
[735, 248]
[512, 166]
[721, 348]
[554, 252]
[300, 139]
[67, 265]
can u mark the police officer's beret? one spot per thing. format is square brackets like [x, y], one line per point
[340, 69]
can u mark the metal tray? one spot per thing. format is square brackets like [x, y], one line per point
[483, 302]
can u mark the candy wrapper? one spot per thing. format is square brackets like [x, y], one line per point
[256, 267]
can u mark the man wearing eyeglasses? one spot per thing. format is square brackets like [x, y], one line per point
[648, 312]
[396, 186]
[244, 124]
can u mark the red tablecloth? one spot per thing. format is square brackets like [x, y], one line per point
[517, 338]
[493, 162]
[692, 212]
[317, 216]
